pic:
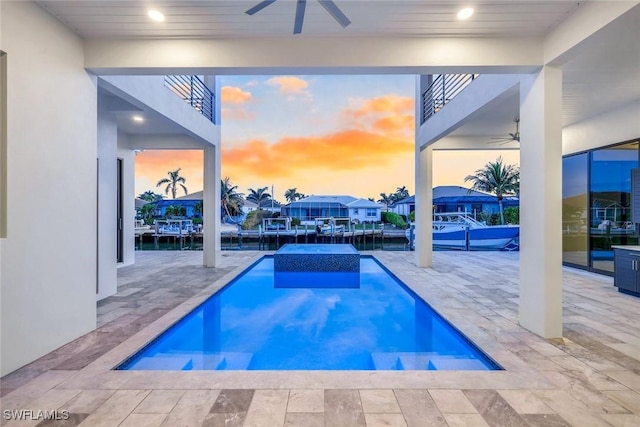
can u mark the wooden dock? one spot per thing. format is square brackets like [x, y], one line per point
[372, 237]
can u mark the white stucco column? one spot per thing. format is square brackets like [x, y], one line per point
[107, 204]
[211, 205]
[424, 207]
[541, 202]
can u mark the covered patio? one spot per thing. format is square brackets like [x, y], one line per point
[589, 377]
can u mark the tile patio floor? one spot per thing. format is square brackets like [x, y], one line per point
[591, 377]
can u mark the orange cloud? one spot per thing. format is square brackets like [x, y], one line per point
[377, 138]
[389, 114]
[395, 124]
[235, 95]
[233, 99]
[393, 104]
[350, 150]
[289, 84]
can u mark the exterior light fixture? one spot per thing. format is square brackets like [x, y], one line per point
[155, 15]
[465, 13]
[138, 119]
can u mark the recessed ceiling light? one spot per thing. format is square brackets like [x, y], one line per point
[465, 13]
[138, 119]
[155, 15]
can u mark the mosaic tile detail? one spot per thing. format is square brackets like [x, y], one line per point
[317, 258]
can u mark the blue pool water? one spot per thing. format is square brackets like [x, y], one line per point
[253, 324]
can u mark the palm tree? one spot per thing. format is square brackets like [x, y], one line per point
[386, 199]
[172, 182]
[401, 193]
[150, 196]
[496, 178]
[292, 195]
[258, 196]
[230, 199]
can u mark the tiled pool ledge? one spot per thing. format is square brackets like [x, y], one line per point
[517, 374]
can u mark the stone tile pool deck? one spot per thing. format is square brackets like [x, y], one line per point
[591, 377]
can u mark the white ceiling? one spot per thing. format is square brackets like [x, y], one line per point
[226, 19]
[604, 77]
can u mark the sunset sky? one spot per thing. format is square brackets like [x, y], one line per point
[321, 134]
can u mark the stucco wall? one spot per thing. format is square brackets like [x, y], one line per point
[107, 203]
[362, 215]
[48, 279]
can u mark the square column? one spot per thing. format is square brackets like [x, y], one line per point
[541, 202]
[424, 207]
[211, 206]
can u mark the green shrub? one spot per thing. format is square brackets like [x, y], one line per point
[393, 218]
[489, 219]
[175, 211]
[412, 216]
[295, 222]
[254, 218]
[512, 215]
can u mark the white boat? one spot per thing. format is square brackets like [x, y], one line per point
[450, 231]
[174, 227]
[330, 226]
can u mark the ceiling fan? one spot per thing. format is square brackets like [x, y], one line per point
[512, 136]
[329, 6]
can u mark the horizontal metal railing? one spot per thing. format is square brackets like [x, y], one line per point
[193, 90]
[443, 89]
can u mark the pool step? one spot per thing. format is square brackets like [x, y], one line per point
[224, 361]
[161, 362]
[194, 361]
[424, 361]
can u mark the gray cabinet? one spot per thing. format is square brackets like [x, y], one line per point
[627, 271]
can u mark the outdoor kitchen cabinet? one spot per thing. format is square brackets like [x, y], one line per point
[627, 269]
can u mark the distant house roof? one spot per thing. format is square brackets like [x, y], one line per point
[265, 204]
[198, 195]
[406, 200]
[343, 199]
[165, 203]
[364, 203]
[455, 193]
[140, 203]
[249, 204]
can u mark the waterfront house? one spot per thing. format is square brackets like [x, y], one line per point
[312, 207]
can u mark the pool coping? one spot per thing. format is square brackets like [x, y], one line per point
[100, 374]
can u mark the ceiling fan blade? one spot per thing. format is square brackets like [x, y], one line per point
[335, 11]
[257, 8]
[297, 25]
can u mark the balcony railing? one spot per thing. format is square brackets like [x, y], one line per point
[193, 90]
[443, 89]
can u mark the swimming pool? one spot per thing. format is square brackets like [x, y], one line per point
[254, 324]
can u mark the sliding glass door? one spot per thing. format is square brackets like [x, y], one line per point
[596, 205]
